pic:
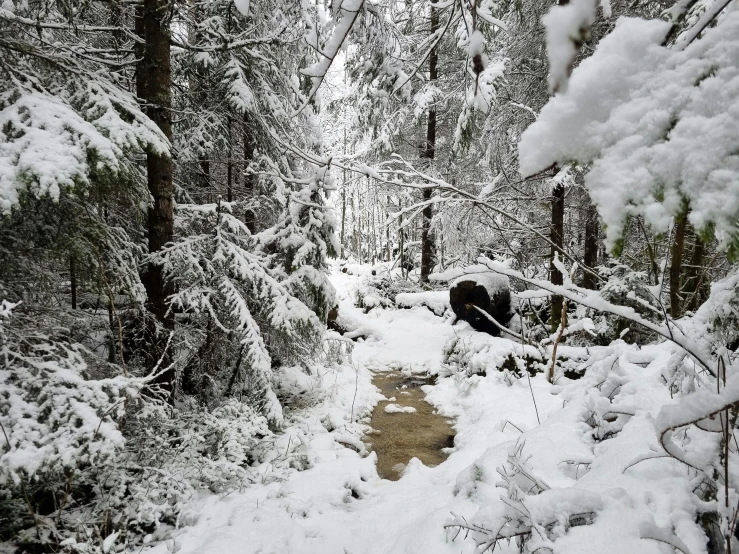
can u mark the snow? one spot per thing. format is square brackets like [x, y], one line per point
[436, 301]
[660, 127]
[477, 44]
[578, 465]
[476, 352]
[339, 503]
[492, 282]
[242, 6]
[479, 273]
[396, 409]
[567, 27]
[46, 145]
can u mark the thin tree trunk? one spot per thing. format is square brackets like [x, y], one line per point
[354, 227]
[557, 237]
[343, 203]
[249, 180]
[373, 202]
[676, 262]
[387, 230]
[590, 256]
[205, 196]
[401, 240]
[694, 275]
[153, 83]
[112, 351]
[429, 153]
[229, 167]
[73, 281]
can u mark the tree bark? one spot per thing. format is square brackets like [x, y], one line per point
[229, 167]
[694, 275]
[249, 180]
[557, 237]
[73, 281]
[676, 262]
[590, 256]
[429, 153]
[153, 84]
[205, 196]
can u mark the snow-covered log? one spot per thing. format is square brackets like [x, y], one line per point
[488, 292]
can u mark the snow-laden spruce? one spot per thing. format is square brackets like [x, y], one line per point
[657, 126]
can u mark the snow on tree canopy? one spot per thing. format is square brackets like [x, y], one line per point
[660, 128]
[47, 146]
[566, 25]
[242, 6]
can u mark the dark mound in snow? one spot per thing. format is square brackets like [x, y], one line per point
[488, 292]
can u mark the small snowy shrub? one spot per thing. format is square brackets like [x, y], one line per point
[623, 287]
[479, 353]
[60, 427]
[88, 452]
[530, 512]
[228, 290]
[381, 289]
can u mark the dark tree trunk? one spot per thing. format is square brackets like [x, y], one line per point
[249, 180]
[112, 351]
[73, 281]
[557, 237]
[676, 262]
[590, 257]
[153, 83]
[229, 167]
[428, 153]
[355, 244]
[343, 215]
[205, 196]
[694, 277]
[343, 196]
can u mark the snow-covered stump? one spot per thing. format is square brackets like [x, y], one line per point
[487, 292]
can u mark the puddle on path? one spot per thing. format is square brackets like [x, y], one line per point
[398, 437]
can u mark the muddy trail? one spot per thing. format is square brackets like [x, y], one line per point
[401, 433]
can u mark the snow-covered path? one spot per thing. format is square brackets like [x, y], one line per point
[340, 505]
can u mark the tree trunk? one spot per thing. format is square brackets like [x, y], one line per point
[676, 262]
[343, 190]
[590, 256]
[229, 167]
[557, 237]
[153, 83]
[387, 231]
[73, 281]
[112, 351]
[249, 180]
[429, 153]
[355, 245]
[694, 275]
[205, 196]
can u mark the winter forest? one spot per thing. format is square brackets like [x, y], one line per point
[369, 276]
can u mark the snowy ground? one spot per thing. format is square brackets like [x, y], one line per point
[340, 504]
[589, 477]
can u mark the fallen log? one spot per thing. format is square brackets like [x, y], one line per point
[487, 291]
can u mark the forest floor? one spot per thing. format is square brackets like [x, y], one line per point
[340, 504]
